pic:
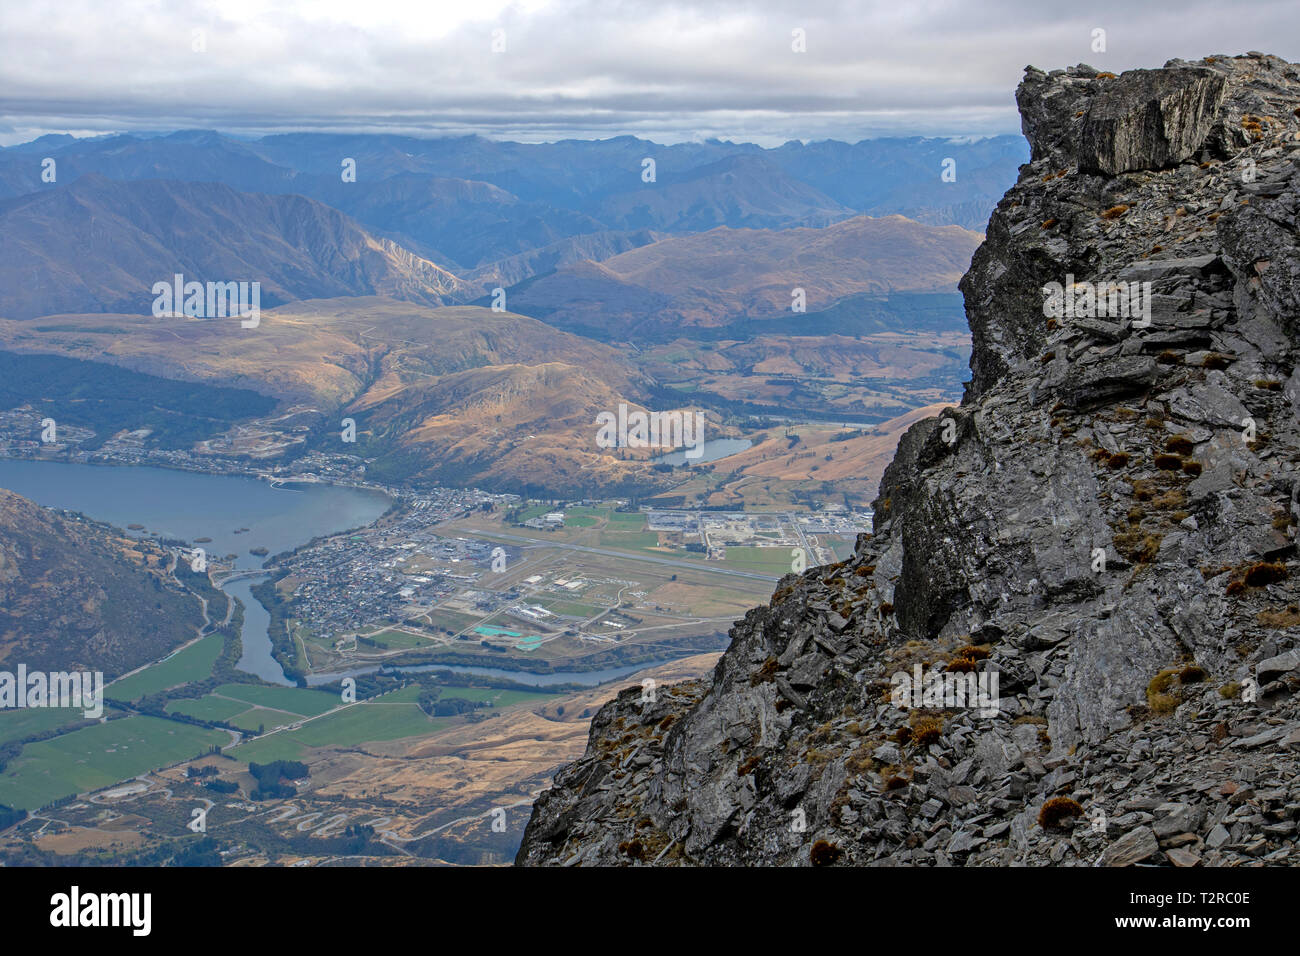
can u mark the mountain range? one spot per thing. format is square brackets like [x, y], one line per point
[570, 239]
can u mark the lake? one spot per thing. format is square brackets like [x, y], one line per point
[710, 451]
[186, 505]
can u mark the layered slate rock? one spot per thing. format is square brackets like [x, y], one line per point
[1107, 524]
[1150, 119]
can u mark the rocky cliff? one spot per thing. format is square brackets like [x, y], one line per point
[1105, 526]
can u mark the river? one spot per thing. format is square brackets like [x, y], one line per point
[235, 512]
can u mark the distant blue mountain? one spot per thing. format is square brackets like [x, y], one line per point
[467, 202]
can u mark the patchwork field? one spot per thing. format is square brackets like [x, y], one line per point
[98, 756]
[19, 723]
[389, 717]
[191, 664]
[255, 707]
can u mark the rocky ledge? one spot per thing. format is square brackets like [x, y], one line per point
[1105, 527]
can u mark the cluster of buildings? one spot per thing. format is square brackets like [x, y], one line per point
[391, 571]
[550, 521]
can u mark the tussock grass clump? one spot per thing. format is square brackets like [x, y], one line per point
[967, 658]
[633, 848]
[1217, 361]
[1191, 467]
[1137, 546]
[1192, 674]
[1114, 212]
[895, 782]
[1287, 617]
[1117, 461]
[1170, 500]
[1056, 811]
[1168, 462]
[1165, 692]
[824, 853]
[925, 731]
[1179, 445]
[765, 674]
[1264, 572]
[1159, 698]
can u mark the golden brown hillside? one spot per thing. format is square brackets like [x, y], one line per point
[712, 278]
[458, 394]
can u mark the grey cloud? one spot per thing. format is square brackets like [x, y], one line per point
[664, 70]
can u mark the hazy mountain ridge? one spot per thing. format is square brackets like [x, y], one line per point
[467, 202]
[99, 245]
[712, 278]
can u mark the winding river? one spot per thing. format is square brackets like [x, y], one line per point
[235, 514]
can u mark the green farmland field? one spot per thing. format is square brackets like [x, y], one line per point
[388, 717]
[98, 756]
[193, 663]
[308, 703]
[770, 560]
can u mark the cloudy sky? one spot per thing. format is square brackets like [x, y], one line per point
[661, 69]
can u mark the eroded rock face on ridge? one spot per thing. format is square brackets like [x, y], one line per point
[1107, 524]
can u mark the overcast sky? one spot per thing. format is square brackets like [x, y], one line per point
[660, 69]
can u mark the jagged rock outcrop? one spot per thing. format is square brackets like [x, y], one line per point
[1106, 525]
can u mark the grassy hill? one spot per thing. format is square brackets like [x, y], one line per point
[76, 595]
[683, 283]
[458, 394]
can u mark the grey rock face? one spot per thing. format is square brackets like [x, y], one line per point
[1149, 119]
[1109, 534]
[1133, 847]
